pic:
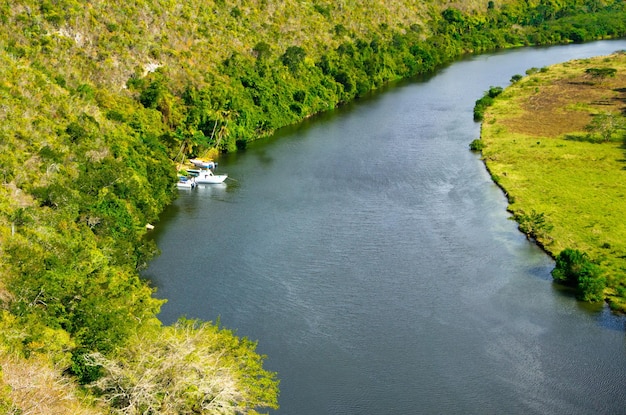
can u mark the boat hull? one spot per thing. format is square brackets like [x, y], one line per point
[203, 164]
[185, 185]
[204, 178]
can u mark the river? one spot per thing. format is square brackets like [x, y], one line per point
[371, 257]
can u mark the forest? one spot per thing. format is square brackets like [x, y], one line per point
[99, 101]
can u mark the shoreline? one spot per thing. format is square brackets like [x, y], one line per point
[562, 182]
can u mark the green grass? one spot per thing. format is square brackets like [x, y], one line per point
[548, 163]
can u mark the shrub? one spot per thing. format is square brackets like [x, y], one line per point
[569, 263]
[533, 224]
[591, 284]
[486, 101]
[477, 145]
[604, 126]
[241, 144]
[575, 269]
[601, 72]
[262, 50]
[293, 56]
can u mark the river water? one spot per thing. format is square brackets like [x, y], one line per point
[374, 261]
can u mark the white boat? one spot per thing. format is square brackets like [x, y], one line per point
[203, 164]
[207, 177]
[185, 183]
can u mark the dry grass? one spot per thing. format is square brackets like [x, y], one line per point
[36, 388]
[549, 112]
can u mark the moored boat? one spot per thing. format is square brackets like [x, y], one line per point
[185, 183]
[207, 177]
[203, 163]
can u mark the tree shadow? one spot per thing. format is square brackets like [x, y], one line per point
[621, 98]
[583, 138]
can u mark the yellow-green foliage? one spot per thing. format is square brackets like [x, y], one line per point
[213, 48]
[190, 367]
[100, 99]
[113, 39]
[540, 148]
[6, 403]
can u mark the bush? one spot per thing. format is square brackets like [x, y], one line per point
[293, 57]
[591, 284]
[575, 269]
[481, 105]
[486, 101]
[601, 72]
[569, 264]
[477, 145]
[533, 224]
[241, 144]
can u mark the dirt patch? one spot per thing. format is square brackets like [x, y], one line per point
[563, 106]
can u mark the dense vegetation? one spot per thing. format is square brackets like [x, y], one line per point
[99, 99]
[554, 141]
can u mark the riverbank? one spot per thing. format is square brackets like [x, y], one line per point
[371, 228]
[553, 142]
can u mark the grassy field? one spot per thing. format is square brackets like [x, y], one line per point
[555, 142]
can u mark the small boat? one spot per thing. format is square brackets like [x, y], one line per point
[207, 177]
[185, 183]
[203, 164]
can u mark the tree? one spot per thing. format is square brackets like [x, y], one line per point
[591, 284]
[605, 125]
[452, 15]
[575, 269]
[190, 367]
[293, 56]
[262, 51]
[569, 264]
[601, 72]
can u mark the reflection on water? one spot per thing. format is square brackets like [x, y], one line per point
[217, 190]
